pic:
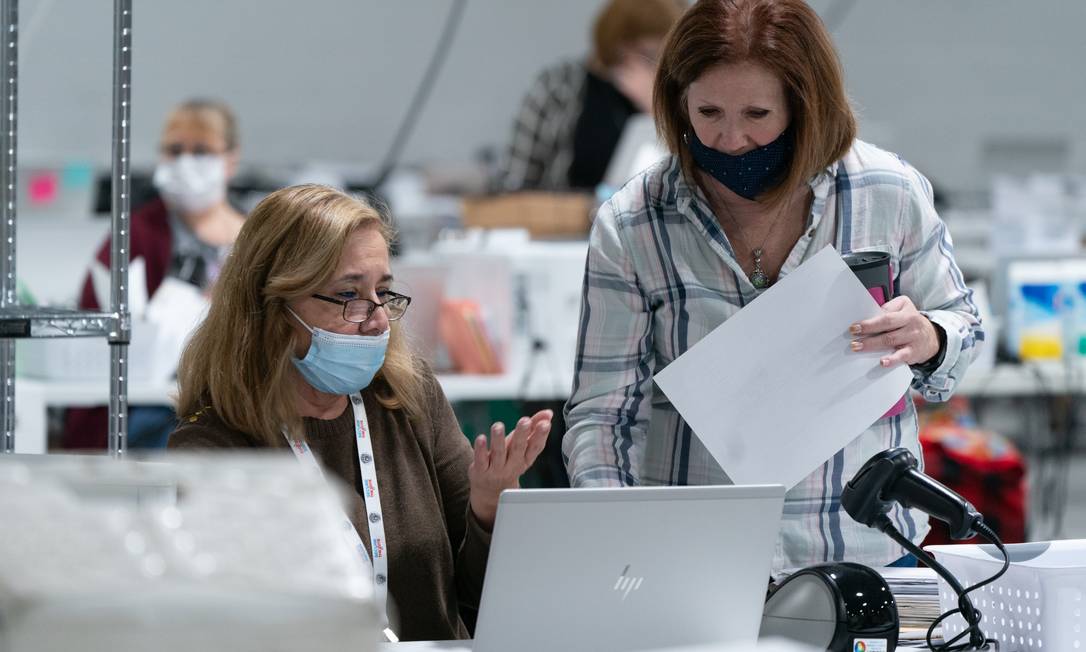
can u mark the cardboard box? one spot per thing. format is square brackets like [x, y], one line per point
[543, 214]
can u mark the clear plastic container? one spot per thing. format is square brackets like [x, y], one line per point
[1037, 605]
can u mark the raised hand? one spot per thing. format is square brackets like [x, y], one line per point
[500, 466]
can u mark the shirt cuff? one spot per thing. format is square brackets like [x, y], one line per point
[936, 385]
[929, 367]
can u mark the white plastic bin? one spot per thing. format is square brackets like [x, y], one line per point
[152, 356]
[1037, 605]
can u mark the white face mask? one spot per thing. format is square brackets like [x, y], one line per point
[192, 183]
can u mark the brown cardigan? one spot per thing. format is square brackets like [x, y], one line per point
[437, 550]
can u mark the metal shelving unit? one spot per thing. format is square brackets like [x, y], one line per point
[28, 322]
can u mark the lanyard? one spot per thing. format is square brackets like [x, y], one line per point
[372, 497]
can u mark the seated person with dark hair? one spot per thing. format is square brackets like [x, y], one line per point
[571, 120]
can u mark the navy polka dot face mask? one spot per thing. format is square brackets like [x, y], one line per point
[750, 174]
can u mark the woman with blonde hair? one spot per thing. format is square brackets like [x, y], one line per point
[301, 349]
[765, 171]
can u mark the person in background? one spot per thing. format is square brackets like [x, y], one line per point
[570, 121]
[765, 171]
[301, 349]
[184, 233]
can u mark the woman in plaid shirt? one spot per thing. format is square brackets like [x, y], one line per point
[765, 171]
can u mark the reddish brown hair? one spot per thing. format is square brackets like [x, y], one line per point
[624, 22]
[785, 36]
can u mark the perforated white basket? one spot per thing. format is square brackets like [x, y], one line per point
[1037, 605]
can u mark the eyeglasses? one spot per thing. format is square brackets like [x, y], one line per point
[173, 150]
[358, 311]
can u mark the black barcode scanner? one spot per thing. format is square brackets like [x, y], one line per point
[894, 476]
[841, 605]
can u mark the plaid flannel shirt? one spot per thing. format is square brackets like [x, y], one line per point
[541, 148]
[661, 275]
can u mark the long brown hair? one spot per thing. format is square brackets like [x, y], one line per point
[785, 36]
[239, 360]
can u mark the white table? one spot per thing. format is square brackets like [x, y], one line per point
[1028, 379]
[767, 645]
[426, 646]
[33, 396]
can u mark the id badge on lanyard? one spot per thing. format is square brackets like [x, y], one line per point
[372, 498]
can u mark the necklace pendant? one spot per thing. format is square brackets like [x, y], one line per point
[758, 278]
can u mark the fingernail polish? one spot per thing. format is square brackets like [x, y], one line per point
[855, 329]
[857, 346]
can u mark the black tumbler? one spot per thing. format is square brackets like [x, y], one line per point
[873, 270]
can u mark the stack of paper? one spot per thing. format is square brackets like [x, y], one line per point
[916, 591]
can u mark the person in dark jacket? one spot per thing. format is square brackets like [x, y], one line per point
[301, 350]
[571, 119]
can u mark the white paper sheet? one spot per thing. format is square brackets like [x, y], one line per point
[174, 311]
[161, 325]
[102, 282]
[776, 390]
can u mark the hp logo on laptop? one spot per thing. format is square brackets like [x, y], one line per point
[627, 584]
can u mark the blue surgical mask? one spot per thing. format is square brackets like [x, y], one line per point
[750, 174]
[341, 364]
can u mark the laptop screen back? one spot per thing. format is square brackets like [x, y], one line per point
[628, 569]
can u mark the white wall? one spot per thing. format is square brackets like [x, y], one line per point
[320, 79]
[937, 80]
[329, 79]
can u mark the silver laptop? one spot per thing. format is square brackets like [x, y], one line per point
[628, 569]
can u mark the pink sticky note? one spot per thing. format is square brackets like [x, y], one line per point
[43, 188]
